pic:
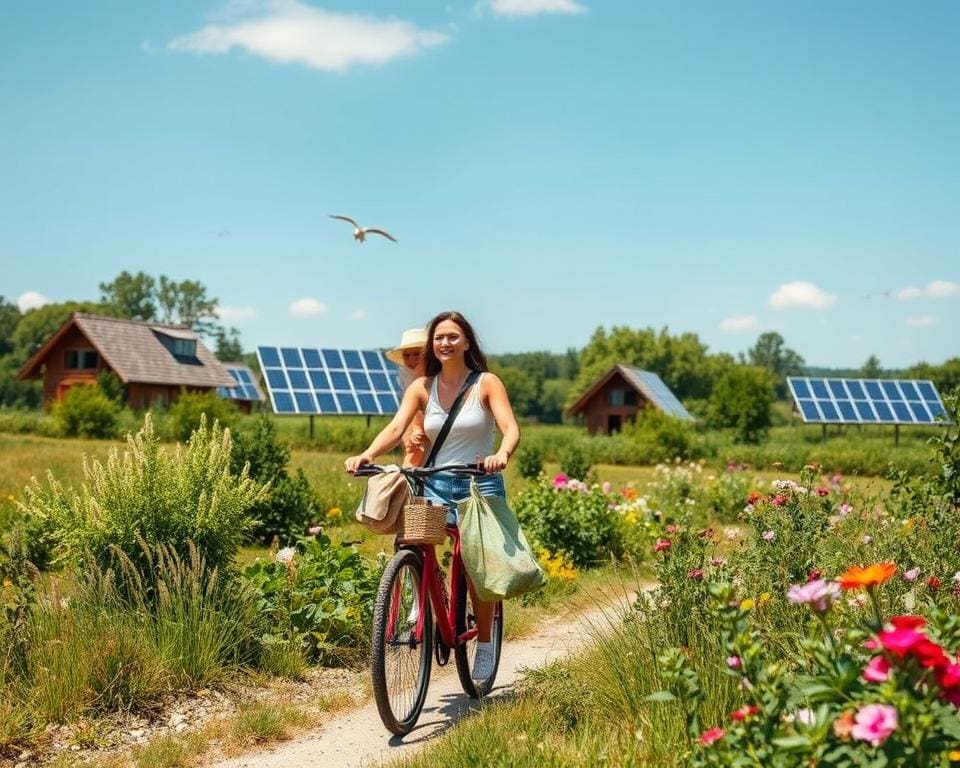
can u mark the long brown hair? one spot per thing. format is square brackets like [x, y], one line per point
[474, 357]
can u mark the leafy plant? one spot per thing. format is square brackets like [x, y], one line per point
[186, 413]
[150, 495]
[529, 461]
[85, 411]
[317, 596]
[574, 462]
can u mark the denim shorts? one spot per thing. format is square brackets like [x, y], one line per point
[448, 489]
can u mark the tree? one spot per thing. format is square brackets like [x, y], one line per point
[186, 303]
[9, 317]
[871, 368]
[741, 401]
[132, 295]
[770, 352]
[228, 348]
[522, 388]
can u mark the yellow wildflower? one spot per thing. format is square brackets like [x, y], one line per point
[630, 518]
[764, 598]
[954, 755]
[746, 604]
[334, 513]
[7, 583]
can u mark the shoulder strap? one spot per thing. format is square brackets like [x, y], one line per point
[451, 415]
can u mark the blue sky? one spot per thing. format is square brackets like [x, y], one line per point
[547, 166]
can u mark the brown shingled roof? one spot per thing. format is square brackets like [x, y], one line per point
[141, 352]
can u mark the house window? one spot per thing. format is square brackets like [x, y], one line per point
[82, 360]
[620, 397]
[185, 347]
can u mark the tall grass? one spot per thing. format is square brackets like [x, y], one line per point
[120, 642]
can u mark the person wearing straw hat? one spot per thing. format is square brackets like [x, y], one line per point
[409, 356]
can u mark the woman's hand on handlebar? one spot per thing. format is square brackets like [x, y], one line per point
[495, 462]
[354, 463]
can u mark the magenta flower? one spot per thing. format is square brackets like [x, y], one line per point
[560, 481]
[845, 509]
[734, 662]
[779, 500]
[874, 723]
[696, 574]
[662, 545]
[708, 737]
[877, 671]
[821, 491]
[768, 535]
[818, 594]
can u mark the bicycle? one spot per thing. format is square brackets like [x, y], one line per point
[406, 639]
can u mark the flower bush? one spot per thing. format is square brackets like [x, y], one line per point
[317, 598]
[868, 690]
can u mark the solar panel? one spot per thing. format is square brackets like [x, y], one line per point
[245, 387]
[866, 401]
[657, 392]
[329, 381]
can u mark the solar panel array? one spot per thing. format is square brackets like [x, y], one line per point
[329, 381]
[657, 392]
[866, 401]
[246, 387]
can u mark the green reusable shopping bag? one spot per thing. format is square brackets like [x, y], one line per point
[495, 552]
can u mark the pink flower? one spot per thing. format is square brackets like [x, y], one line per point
[768, 536]
[818, 594]
[911, 575]
[734, 662]
[708, 737]
[845, 509]
[821, 491]
[716, 562]
[779, 500]
[606, 487]
[900, 642]
[313, 530]
[696, 574]
[877, 671]
[744, 713]
[874, 723]
[560, 481]
[662, 545]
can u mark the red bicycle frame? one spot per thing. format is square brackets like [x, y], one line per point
[432, 588]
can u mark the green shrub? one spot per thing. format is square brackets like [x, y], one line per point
[572, 519]
[290, 505]
[741, 400]
[575, 462]
[151, 495]
[186, 413]
[111, 386]
[530, 461]
[85, 411]
[661, 436]
[317, 596]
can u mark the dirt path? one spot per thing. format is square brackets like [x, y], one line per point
[357, 739]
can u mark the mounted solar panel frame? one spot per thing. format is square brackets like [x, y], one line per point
[329, 381]
[866, 401]
[245, 388]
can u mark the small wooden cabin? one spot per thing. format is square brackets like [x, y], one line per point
[155, 362]
[616, 398]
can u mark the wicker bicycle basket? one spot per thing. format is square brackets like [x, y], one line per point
[423, 522]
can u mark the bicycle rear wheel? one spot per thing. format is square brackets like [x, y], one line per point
[464, 652]
[401, 661]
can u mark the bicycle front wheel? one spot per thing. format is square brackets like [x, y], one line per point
[401, 653]
[464, 653]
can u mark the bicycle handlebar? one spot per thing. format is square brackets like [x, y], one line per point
[368, 470]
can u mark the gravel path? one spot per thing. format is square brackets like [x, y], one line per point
[357, 739]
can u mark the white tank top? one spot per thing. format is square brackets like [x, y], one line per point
[471, 434]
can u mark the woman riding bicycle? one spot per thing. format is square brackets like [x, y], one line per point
[452, 354]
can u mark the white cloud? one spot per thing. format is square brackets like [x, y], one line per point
[924, 321]
[358, 314]
[801, 294]
[936, 289]
[31, 300]
[739, 323]
[516, 8]
[292, 32]
[234, 314]
[307, 307]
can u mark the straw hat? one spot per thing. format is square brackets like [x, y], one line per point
[414, 338]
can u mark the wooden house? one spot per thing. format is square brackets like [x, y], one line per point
[155, 362]
[619, 395]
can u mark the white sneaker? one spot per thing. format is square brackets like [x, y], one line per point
[483, 663]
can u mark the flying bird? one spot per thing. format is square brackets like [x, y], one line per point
[360, 233]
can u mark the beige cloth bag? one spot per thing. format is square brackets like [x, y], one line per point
[383, 500]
